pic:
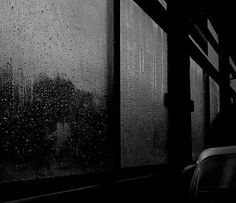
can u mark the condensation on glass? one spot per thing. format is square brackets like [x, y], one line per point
[143, 84]
[198, 116]
[214, 99]
[53, 87]
[212, 54]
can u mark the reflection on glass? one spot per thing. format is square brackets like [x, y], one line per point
[143, 84]
[163, 3]
[212, 30]
[214, 99]
[232, 82]
[198, 116]
[212, 54]
[53, 68]
[213, 57]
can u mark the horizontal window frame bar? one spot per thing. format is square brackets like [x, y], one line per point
[202, 60]
[206, 65]
[207, 37]
[44, 187]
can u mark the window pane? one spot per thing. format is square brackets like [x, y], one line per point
[143, 84]
[232, 82]
[212, 55]
[53, 82]
[198, 116]
[214, 99]
[163, 3]
[212, 30]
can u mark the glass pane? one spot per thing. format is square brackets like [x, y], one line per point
[53, 81]
[163, 3]
[214, 99]
[231, 62]
[232, 82]
[212, 30]
[198, 116]
[212, 55]
[143, 84]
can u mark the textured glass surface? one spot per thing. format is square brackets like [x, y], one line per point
[53, 81]
[143, 84]
[212, 55]
[212, 30]
[214, 88]
[232, 82]
[214, 99]
[198, 116]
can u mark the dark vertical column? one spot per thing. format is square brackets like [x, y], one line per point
[207, 109]
[116, 86]
[179, 103]
[113, 58]
[225, 100]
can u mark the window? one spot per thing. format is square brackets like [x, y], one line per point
[233, 81]
[53, 88]
[214, 99]
[198, 116]
[214, 87]
[212, 54]
[81, 93]
[143, 84]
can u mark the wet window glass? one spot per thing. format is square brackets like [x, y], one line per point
[213, 57]
[143, 84]
[214, 99]
[53, 87]
[212, 30]
[233, 81]
[198, 116]
[214, 87]
[212, 54]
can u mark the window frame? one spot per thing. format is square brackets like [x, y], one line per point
[179, 153]
[27, 190]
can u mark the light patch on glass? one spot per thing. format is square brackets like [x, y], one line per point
[214, 99]
[212, 30]
[163, 3]
[212, 54]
